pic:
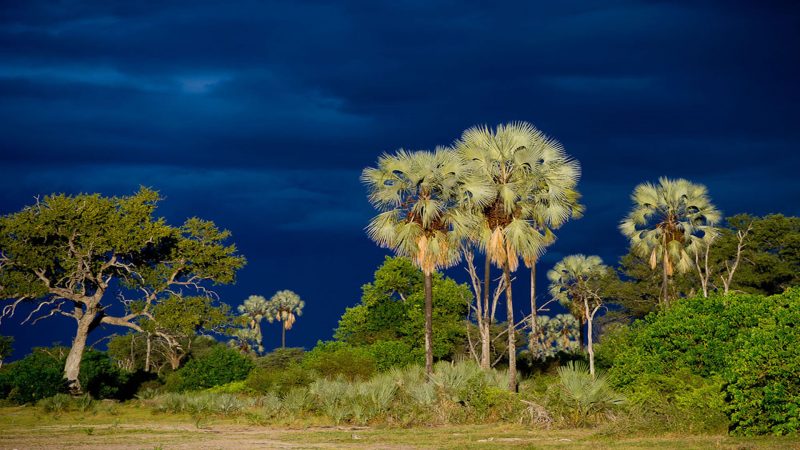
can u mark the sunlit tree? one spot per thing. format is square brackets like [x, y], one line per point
[418, 196]
[533, 183]
[574, 282]
[253, 310]
[285, 306]
[670, 221]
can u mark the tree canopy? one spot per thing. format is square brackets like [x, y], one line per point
[75, 256]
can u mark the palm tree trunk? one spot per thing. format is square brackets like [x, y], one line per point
[429, 323]
[512, 348]
[283, 335]
[532, 336]
[486, 335]
[589, 348]
[665, 280]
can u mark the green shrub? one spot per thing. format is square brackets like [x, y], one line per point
[764, 380]
[100, 377]
[56, 404]
[333, 359]
[39, 375]
[388, 354]
[218, 366]
[584, 393]
[281, 358]
[278, 381]
[749, 342]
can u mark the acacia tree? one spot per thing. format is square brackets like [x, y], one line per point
[574, 282]
[669, 222]
[285, 306]
[75, 256]
[533, 189]
[418, 195]
[176, 321]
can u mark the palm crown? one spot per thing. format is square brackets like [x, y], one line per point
[418, 195]
[285, 306]
[533, 183]
[669, 220]
[572, 277]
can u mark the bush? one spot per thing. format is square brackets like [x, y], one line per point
[35, 377]
[749, 342]
[220, 365]
[584, 393]
[389, 354]
[100, 377]
[281, 358]
[333, 359]
[278, 381]
[763, 387]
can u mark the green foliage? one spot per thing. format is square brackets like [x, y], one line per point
[6, 347]
[219, 365]
[85, 251]
[332, 359]
[278, 381]
[586, 394]
[763, 384]
[39, 375]
[391, 309]
[679, 401]
[771, 258]
[56, 404]
[388, 354]
[749, 342]
[100, 377]
[281, 358]
[554, 335]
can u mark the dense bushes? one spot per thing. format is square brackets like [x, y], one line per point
[37, 376]
[764, 372]
[746, 348]
[218, 366]
[332, 359]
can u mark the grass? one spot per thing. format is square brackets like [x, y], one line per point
[136, 426]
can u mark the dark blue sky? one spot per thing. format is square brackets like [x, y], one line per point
[260, 116]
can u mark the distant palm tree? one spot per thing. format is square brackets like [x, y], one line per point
[574, 283]
[285, 306]
[533, 183]
[669, 221]
[253, 311]
[418, 195]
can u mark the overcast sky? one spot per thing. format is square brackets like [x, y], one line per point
[261, 115]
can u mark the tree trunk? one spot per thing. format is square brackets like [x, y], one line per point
[486, 345]
[428, 323]
[72, 368]
[147, 355]
[665, 280]
[532, 336]
[486, 334]
[174, 359]
[283, 335]
[581, 333]
[589, 347]
[512, 348]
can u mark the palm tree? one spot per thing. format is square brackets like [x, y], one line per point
[253, 311]
[533, 182]
[669, 221]
[417, 194]
[573, 282]
[285, 306]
